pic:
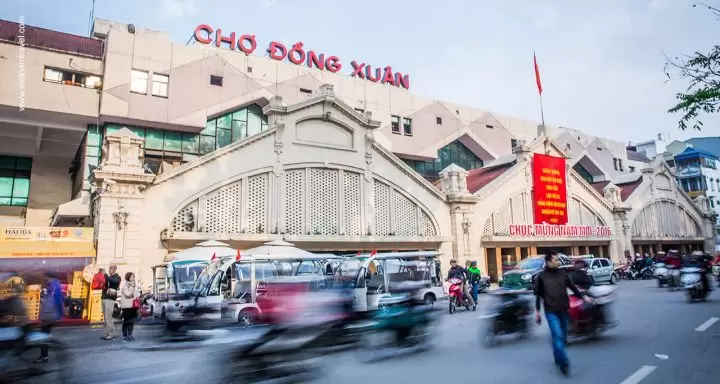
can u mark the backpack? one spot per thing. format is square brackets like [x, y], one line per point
[98, 281]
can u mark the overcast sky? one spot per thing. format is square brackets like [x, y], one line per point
[601, 61]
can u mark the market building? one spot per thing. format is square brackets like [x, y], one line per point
[176, 144]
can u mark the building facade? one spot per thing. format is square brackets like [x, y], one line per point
[176, 144]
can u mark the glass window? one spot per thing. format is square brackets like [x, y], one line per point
[154, 139]
[209, 128]
[240, 115]
[53, 75]
[254, 122]
[190, 142]
[223, 137]
[264, 124]
[207, 144]
[584, 173]
[160, 84]
[239, 131]
[92, 81]
[224, 121]
[94, 136]
[14, 180]
[395, 124]
[407, 126]
[138, 81]
[173, 141]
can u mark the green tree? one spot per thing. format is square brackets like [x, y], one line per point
[702, 71]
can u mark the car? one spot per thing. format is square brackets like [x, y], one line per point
[602, 271]
[523, 275]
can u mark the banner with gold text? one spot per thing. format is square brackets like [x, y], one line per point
[549, 190]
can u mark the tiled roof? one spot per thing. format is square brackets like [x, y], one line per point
[626, 188]
[478, 178]
[52, 40]
[637, 156]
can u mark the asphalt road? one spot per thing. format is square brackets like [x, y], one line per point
[661, 339]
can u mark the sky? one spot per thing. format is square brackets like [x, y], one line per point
[601, 61]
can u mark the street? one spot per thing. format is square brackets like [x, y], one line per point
[661, 339]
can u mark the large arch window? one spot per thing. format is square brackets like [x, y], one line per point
[453, 153]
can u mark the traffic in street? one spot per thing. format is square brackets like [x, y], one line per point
[661, 339]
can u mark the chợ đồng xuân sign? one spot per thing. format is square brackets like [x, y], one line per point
[296, 54]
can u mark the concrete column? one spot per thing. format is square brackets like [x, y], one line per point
[499, 263]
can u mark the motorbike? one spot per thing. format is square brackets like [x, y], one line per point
[484, 284]
[622, 271]
[691, 280]
[511, 314]
[590, 320]
[661, 273]
[456, 296]
[401, 326]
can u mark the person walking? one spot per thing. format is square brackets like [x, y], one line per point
[109, 295]
[129, 304]
[51, 310]
[551, 287]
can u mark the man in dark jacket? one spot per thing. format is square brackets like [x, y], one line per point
[551, 287]
[109, 295]
[458, 272]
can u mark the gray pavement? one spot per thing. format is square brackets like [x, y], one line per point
[657, 337]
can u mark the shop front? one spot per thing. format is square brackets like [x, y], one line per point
[31, 253]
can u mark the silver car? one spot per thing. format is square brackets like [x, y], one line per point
[602, 271]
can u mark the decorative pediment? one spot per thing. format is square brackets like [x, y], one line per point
[325, 131]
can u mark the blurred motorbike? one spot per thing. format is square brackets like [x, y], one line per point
[590, 320]
[691, 280]
[510, 314]
[456, 296]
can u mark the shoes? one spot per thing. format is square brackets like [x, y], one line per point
[131, 338]
[565, 369]
[474, 307]
[126, 339]
[108, 337]
[41, 360]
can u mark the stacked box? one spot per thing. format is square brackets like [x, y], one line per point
[79, 288]
[32, 302]
[5, 289]
[95, 307]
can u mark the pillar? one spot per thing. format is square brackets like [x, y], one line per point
[499, 263]
[117, 201]
[601, 249]
[518, 254]
[462, 204]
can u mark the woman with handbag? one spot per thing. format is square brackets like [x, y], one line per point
[130, 304]
[51, 310]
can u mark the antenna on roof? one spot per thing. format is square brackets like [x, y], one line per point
[92, 17]
[190, 39]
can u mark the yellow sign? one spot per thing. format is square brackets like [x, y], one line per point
[695, 194]
[46, 242]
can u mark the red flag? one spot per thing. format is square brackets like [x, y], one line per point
[373, 253]
[359, 253]
[237, 257]
[213, 258]
[537, 74]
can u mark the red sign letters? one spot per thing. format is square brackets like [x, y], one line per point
[549, 190]
[297, 55]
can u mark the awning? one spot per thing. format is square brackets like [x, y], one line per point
[73, 210]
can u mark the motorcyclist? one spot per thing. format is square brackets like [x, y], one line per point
[474, 279]
[458, 272]
[698, 260]
[580, 277]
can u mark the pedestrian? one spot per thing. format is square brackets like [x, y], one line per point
[51, 310]
[130, 306]
[474, 280]
[551, 287]
[109, 295]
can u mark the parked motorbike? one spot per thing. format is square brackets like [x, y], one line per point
[510, 314]
[691, 280]
[622, 272]
[484, 284]
[590, 320]
[456, 296]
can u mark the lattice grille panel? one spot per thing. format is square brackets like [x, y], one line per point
[257, 204]
[426, 225]
[518, 209]
[351, 204]
[324, 201]
[587, 217]
[575, 217]
[405, 215]
[381, 214]
[488, 230]
[295, 202]
[222, 210]
[665, 219]
[186, 219]
[503, 219]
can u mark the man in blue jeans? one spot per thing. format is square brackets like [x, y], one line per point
[551, 286]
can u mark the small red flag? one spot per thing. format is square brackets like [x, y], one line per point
[213, 257]
[537, 74]
[373, 253]
[237, 257]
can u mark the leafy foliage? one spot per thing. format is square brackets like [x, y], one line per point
[702, 95]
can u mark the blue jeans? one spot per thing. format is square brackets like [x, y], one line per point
[558, 323]
[475, 288]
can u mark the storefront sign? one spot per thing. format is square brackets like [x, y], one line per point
[549, 190]
[42, 242]
[688, 172]
[297, 55]
[547, 230]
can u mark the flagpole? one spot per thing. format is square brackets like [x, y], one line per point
[539, 87]
[542, 113]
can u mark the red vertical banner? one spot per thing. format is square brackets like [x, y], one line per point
[549, 190]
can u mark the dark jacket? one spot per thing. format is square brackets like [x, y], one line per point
[112, 282]
[551, 286]
[458, 272]
[581, 279]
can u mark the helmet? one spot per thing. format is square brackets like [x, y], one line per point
[697, 253]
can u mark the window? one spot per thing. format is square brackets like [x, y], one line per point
[567, 146]
[584, 173]
[139, 81]
[615, 163]
[513, 143]
[249, 69]
[671, 163]
[61, 76]
[453, 153]
[620, 165]
[395, 124]
[216, 80]
[438, 120]
[604, 263]
[305, 90]
[160, 85]
[14, 180]
[407, 127]
[598, 148]
[360, 110]
[488, 126]
[631, 169]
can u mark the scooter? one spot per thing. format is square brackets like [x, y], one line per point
[661, 274]
[456, 296]
[511, 314]
[691, 280]
[484, 284]
[591, 320]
